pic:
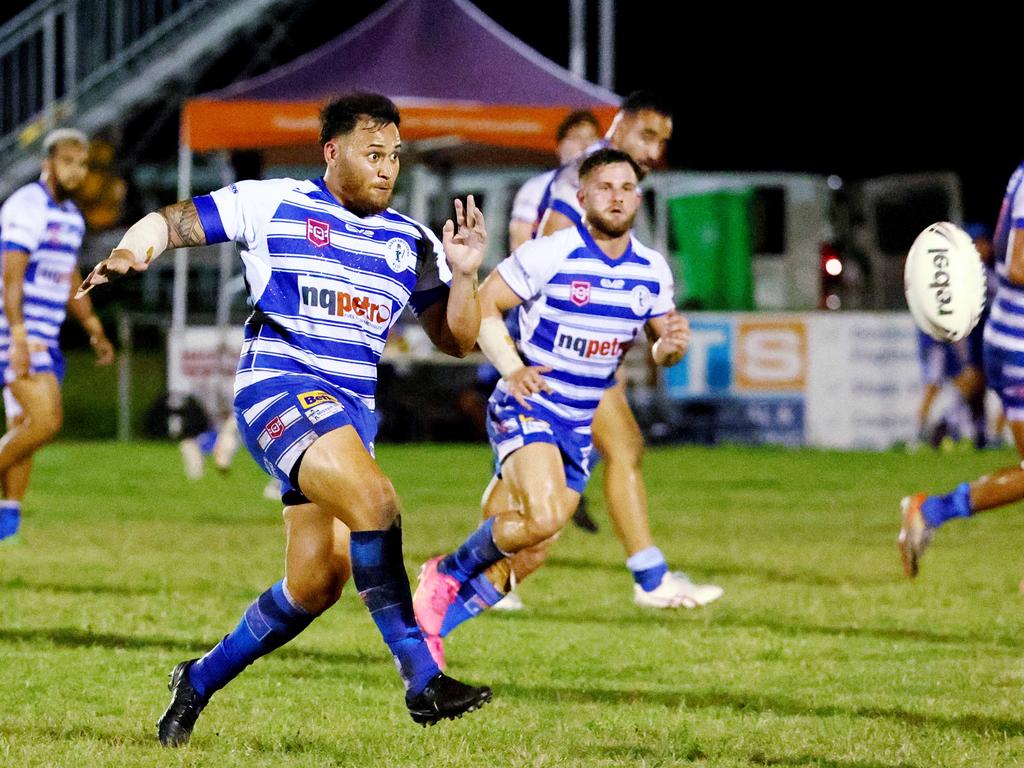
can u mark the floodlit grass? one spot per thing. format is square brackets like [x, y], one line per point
[820, 653]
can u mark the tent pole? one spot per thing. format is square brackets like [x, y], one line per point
[578, 38]
[606, 45]
[225, 252]
[180, 306]
[175, 394]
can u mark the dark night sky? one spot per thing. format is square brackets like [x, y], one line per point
[854, 94]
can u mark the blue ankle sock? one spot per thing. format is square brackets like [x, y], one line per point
[648, 567]
[270, 622]
[938, 509]
[379, 574]
[475, 597]
[474, 554]
[10, 518]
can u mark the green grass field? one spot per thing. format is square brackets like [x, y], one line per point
[820, 653]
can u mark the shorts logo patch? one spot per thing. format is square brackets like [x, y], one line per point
[580, 293]
[318, 232]
[275, 428]
[315, 397]
[318, 413]
[532, 426]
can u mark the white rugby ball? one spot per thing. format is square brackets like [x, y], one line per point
[944, 282]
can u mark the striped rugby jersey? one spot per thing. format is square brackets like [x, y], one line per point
[51, 234]
[581, 312]
[325, 285]
[1005, 326]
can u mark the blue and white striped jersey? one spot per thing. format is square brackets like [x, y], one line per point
[1005, 326]
[581, 312]
[326, 285]
[51, 234]
[561, 192]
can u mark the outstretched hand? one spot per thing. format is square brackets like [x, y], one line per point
[465, 239]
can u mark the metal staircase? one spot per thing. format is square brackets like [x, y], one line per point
[91, 63]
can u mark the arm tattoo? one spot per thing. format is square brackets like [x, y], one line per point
[183, 225]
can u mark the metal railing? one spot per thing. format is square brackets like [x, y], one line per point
[58, 52]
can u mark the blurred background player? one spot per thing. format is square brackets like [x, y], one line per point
[575, 134]
[41, 231]
[1003, 351]
[641, 129]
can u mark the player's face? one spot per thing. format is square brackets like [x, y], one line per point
[577, 139]
[644, 136]
[66, 167]
[610, 197]
[364, 164]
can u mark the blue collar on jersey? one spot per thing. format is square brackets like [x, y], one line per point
[322, 186]
[66, 205]
[629, 256]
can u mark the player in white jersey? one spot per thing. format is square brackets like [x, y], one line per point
[575, 133]
[329, 268]
[41, 233]
[584, 294]
[1003, 353]
[641, 129]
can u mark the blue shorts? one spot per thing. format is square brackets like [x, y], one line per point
[280, 418]
[510, 426]
[40, 360]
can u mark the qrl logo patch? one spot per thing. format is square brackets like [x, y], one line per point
[580, 293]
[318, 232]
[275, 428]
[308, 399]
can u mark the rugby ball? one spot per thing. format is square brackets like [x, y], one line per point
[944, 282]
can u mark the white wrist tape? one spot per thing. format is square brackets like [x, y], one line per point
[495, 342]
[146, 238]
[669, 360]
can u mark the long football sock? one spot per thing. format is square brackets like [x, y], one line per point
[474, 554]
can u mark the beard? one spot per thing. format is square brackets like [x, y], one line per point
[64, 191]
[370, 203]
[610, 227]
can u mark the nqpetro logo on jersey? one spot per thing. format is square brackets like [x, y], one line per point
[325, 300]
[591, 346]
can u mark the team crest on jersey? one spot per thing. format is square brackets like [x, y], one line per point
[315, 397]
[640, 300]
[580, 292]
[318, 232]
[398, 255]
